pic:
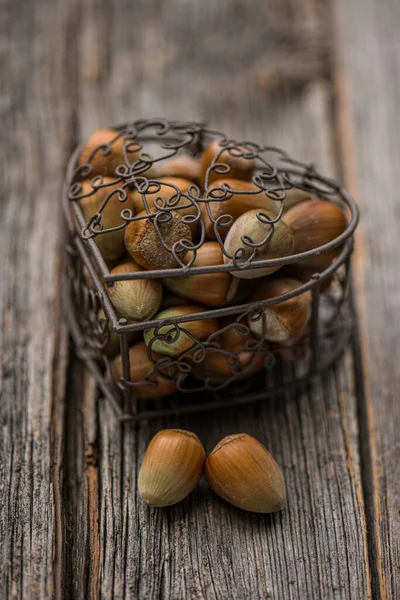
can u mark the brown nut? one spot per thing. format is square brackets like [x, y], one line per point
[238, 167]
[181, 165]
[172, 467]
[136, 299]
[313, 224]
[212, 289]
[236, 198]
[104, 151]
[294, 196]
[234, 358]
[243, 472]
[144, 245]
[167, 191]
[249, 227]
[110, 243]
[142, 369]
[285, 321]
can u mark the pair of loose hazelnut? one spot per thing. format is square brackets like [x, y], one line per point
[239, 469]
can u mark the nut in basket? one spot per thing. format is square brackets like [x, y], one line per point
[200, 264]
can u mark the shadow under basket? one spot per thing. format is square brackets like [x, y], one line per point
[270, 367]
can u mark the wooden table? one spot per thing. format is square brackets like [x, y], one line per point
[321, 80]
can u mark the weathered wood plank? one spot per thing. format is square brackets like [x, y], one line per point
[36, 113]
[367, 78]
[81, 550]
[140, 59]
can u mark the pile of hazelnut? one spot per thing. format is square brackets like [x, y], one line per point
[234, 222]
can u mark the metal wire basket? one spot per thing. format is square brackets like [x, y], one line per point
[143, 148]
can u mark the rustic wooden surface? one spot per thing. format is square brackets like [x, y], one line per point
[368, 91]
[71, 524]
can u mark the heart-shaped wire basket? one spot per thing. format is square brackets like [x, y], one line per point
[133, 160]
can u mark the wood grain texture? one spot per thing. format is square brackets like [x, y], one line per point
[80, 536]
[71, 522]
[35, 142]
[368, 91]
[139, 60]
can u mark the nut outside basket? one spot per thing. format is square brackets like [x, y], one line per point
[145, 146]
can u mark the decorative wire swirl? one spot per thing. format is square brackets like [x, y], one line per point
[276, 173]
[270, 180]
